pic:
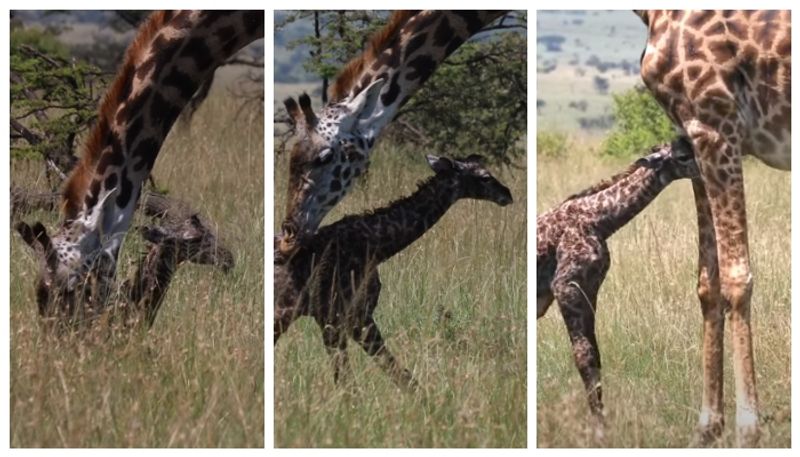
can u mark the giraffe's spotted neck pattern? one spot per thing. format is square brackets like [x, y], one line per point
[173, 53]
[364, 99]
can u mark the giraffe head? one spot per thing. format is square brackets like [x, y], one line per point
[78, 262]
[471, 179]
[192, 242]
[330, 152]
[672, 161]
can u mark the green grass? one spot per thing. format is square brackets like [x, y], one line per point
[196, 379]
[453, 310]
[649, 320]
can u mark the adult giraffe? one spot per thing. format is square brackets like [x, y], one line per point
[724, 78]
[333, 149]
[171, 55]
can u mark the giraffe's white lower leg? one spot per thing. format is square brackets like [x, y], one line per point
[737, 289]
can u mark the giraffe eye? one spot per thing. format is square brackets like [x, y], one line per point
[324, 156]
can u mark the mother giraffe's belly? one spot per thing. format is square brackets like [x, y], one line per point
[773, 150]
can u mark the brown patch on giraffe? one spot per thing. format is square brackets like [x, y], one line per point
[77, 183]
[718, 28]
[693, 45]
[694, 71]
[737, 29]
[352, 72]
[696, 21]
[723, 50]
[764, 34]
[784, 46]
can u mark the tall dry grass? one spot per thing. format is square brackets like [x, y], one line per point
[196, 378]
[452, 309]
[649, 319]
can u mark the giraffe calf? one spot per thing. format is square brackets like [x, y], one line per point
[332, 276]
[572, 257]
[188, 241]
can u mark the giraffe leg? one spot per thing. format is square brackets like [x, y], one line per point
[370, 338]
[284, 317]
[580, 272]
[711, 421]
[725, 192]
[335, 341]
[543, 302]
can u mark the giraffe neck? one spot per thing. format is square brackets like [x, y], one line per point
[405, 55]
[614, 206]
[391, 229]
[173, 54]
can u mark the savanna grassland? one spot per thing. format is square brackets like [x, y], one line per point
[649, 321]
[196, 378]
[452, 309]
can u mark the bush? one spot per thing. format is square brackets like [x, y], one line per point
[551, 144]
[639, 123]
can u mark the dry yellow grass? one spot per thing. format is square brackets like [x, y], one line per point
[196, 379]
[649, 320]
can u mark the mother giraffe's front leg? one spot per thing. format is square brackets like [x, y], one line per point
[721, 172]
[711, 421]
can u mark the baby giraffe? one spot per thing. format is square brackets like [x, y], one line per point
[188, 241]
[333, 276]
[572, 257]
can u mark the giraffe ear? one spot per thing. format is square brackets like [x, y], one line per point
[294, 112]
[440, 164]
[362, 105]
[36, 236]
[308, 112]
[653, 160]
[153, 233]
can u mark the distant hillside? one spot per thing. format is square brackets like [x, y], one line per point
[289, 63]
[583, 57]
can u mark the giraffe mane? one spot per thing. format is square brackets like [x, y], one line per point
[79, 180]
[378, 42]
[606, 183]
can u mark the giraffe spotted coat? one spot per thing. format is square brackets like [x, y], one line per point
[572, 256]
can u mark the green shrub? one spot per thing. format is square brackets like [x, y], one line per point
[551, 143]
[639, 123]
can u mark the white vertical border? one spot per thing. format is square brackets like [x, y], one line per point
[5, 245]
[531, 220]
[794, 270]
[269, 223]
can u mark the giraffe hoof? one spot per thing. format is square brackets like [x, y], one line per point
[747, 436]
[707, 435]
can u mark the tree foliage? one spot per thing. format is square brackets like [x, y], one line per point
[53, 98]
[475, 102]
[639, 123]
